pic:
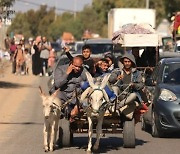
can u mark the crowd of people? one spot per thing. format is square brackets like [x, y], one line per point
[34, 56]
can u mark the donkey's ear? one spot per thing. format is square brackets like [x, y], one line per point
[105, 80]
[90, 79]
[55, 93]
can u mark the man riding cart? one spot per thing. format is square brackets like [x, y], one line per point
[127, 83]
[134, 39]
[130, 84]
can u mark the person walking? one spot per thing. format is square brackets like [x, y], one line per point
[44, 55]
[36, 61]
[12, 52]
[19, 58]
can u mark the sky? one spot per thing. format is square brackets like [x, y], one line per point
[61, 5]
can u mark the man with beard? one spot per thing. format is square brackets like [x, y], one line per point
[130, 84]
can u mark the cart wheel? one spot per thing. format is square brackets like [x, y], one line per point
[129, 134]
[65, 135]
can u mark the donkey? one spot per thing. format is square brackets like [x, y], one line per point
[51, 109]
[97, 99]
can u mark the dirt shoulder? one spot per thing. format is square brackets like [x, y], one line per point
[13, 90]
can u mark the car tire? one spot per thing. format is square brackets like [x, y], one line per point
[144, 125]
[155, 132]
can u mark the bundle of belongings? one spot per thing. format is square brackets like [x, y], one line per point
[131, 29]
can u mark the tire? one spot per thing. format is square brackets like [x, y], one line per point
[129, 134]
[65, 135]
[155, 132]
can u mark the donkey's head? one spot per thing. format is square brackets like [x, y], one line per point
[50, 103]
[95, 93]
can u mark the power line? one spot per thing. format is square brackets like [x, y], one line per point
[36, 4]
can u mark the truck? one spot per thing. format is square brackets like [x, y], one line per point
[118, 17]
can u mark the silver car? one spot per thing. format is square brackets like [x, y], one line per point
[164, 113]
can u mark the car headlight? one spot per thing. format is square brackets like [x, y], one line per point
[167, 95]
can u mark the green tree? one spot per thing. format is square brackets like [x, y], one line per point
[6, 3]
[20, 25]
[171, 6]
[44, 23]
[38, 16]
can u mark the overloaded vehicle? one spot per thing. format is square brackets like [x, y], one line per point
[114, 122]
[163, 116]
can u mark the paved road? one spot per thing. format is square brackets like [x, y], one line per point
[21, 131]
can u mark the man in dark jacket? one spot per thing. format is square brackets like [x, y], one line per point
[130, 81]
[68, 78]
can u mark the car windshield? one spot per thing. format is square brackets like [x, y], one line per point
[171, 73]
[101, 48]
[56, 46]
[79, 47]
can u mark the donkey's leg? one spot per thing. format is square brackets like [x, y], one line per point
[90, 133]
[98, 131]
[46, 129]
[51, 137]
[55, 131]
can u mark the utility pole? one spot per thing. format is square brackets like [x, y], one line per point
[55, 16]
[75, 8]
[147, 4]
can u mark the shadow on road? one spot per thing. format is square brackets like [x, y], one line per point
[106, 144]
[20, 123]
[170, 135]
[9, 85]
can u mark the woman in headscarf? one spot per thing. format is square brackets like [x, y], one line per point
[36, 61]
